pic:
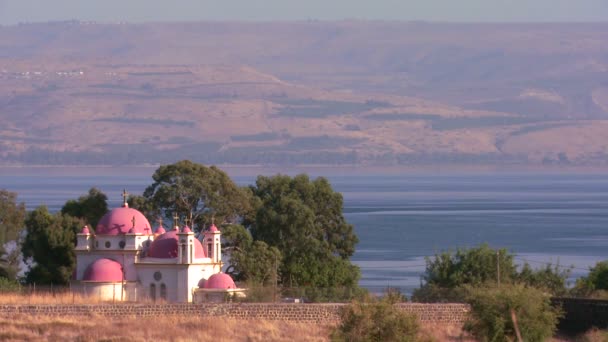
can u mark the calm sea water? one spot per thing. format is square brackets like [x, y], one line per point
[400, 219]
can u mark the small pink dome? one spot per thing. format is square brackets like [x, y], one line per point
[85, 230]
[213, 228]
[220, 281]
[201, 283]
[165, 246]
[187, 230]
[120, 221]
[160, 230]
[103, 270]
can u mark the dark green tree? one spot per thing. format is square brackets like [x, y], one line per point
[550, 278]
[595, 284]
[90, 207]
[50, 245]
[448, 272]
[251, 261]
[188, 188]
[12, 216]
[303, 219]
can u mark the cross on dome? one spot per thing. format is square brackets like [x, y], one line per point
[175, 218]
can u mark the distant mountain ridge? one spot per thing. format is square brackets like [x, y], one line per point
[323, 93]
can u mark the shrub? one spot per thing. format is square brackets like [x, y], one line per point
[595, 283]
[492, 307]
[376, 320]
[447, 273]
[7, 285]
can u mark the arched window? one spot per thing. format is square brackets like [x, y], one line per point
[153, 292]
[163, 291]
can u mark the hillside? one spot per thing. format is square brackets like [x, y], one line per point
[331, 93]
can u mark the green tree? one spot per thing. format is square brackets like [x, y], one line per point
[186, 188]
[448, 272]
[90, 207]
[50, 245]
[377, 320]
[303, 219]
[595, 284]
[493, 308]
[550, 278]
[251, 261]
[12, 216]
[11, 260]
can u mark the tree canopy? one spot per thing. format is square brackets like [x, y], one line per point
[303, 219]
[595, 284]
[50, 245]
[252, 261]
[186, 188]
[90, 207]
[12, 216]
[447, 272]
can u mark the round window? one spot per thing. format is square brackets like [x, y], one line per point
[122, 244]
[108, 244]
[158, 276]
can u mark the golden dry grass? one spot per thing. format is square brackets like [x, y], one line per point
[179, 328]
[171, 328]
[48, 298]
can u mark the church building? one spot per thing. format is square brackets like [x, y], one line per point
[125, 260]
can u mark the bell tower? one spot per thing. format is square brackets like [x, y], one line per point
[212, 244]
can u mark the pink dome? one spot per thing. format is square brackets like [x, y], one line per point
[213, 228]
[201, 283]
[160, 230]
[165, 246]
[220, 281]
[103, 270]
[187, 230]
[120, 221]
[85, 230]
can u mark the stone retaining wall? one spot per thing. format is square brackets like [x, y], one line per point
[318, 313]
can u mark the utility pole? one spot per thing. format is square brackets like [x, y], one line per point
[498, 268]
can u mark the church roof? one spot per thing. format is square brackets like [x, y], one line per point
[220, 281]
[123, 220]
[165, 246]
[103, 270]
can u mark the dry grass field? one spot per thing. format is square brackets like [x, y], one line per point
[173, 328]
[177, 328]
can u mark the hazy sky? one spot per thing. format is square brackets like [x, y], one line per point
[14, 11]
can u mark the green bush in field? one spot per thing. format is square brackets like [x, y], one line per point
[377, 320]
[491, 318]
[595, 284]
[447, 273]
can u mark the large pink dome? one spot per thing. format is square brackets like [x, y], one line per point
[120, 221]
[165, 246]
[220, 281]
[103, 270]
